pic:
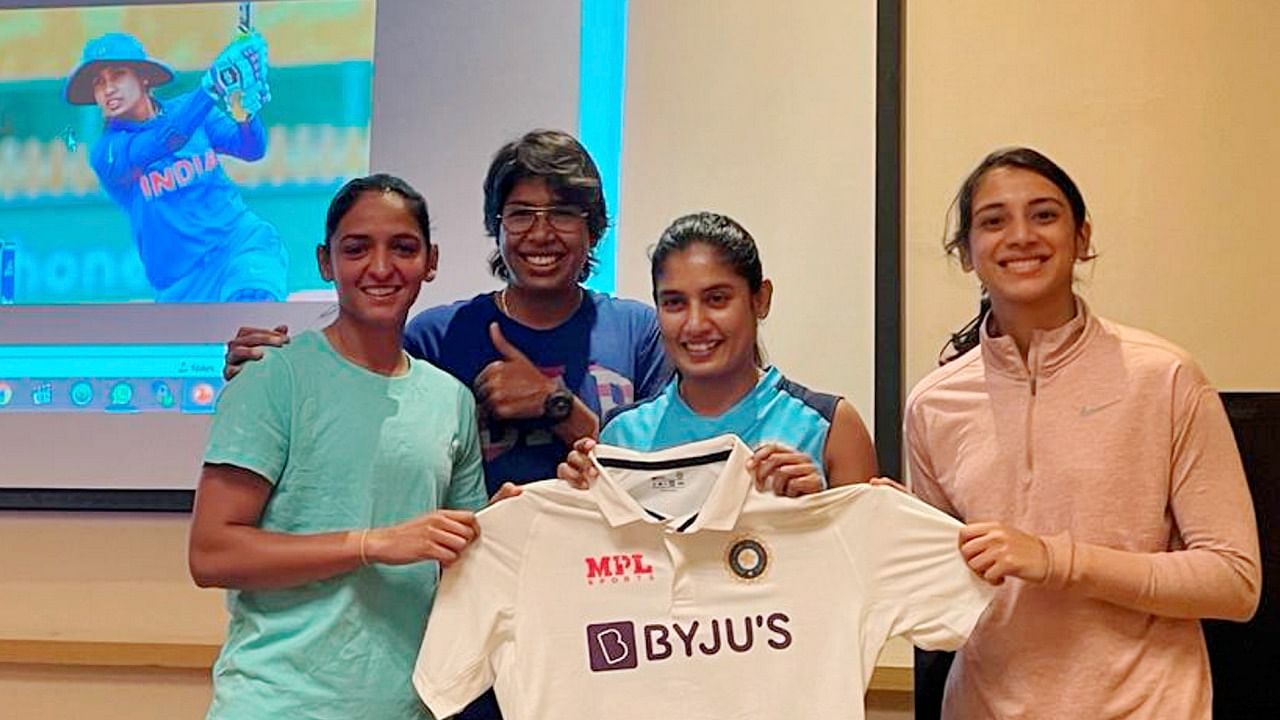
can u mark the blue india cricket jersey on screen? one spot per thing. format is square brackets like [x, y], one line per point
[187, 215]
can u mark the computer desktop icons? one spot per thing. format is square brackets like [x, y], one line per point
[111, 395]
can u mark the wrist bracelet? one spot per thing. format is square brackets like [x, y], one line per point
[364, 559]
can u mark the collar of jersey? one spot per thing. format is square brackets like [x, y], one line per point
[718, 512]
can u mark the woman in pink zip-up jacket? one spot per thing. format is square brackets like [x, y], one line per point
[1094, 467]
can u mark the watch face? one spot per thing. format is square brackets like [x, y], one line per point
[558, 406]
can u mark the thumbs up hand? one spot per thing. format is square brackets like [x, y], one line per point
[512, 387]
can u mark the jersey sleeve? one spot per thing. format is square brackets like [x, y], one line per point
[474, 613]
[466, 487]
[251, 424]
[120, 156]
[917, 583]
[246, 141]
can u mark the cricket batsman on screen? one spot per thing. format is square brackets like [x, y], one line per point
[159, 160]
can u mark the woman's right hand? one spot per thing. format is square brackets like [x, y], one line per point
[246, 346]
[577, 469]
[440, 535]
[995, 551]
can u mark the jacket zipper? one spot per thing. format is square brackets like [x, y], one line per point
[1033, 372]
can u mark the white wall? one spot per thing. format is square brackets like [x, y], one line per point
[764, 111]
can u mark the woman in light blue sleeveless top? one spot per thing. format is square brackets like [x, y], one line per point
[711, 293]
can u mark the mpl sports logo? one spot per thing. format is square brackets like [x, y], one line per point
[614, 569]
[614, 646]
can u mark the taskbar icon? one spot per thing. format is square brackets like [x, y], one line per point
[123, 396]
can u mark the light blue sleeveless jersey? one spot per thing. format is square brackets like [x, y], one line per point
[776, 410]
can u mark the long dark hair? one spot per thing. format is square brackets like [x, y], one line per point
[956, 239]
[732, 243]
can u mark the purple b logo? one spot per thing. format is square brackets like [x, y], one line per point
[612, 646]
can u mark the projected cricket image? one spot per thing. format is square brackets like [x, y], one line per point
[171, 153]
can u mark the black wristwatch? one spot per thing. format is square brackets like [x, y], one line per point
[557, 406]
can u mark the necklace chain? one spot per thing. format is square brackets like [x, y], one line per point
[506, 309]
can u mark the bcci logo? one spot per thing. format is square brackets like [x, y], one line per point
[747, 558]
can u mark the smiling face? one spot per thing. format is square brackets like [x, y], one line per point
[551, 254]
[378, 257]
[708, 315]
[1024, 241]
[120, 93]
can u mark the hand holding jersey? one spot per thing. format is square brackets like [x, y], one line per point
[996, 551]
[577, 469]
[785, 470]
[241, 68]
[439, 535]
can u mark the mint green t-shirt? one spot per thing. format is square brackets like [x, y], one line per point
[345, 449]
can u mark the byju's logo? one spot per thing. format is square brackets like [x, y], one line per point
[617, 569]
[613, 646]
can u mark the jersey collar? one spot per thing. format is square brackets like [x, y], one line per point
[718, 512]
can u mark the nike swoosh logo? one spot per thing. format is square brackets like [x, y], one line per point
[1087, 410]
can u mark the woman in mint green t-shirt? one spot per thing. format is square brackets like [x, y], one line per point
[339, 476]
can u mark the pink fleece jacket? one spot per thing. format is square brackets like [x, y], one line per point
[1110, 443]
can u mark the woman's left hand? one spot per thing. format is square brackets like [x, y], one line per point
[577, 469]
[786, 470]
[996, 551]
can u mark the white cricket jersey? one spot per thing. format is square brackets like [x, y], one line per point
[673, 589]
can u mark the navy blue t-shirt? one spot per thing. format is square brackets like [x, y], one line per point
[609, 353]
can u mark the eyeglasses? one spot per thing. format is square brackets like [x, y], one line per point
[565, 218]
